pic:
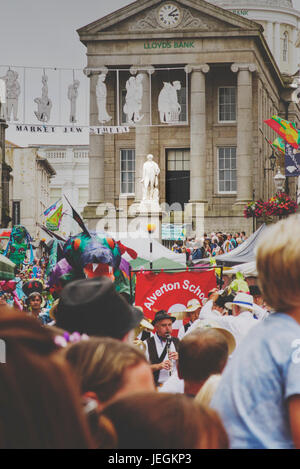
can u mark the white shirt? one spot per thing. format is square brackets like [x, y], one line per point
[207, 312]
[173, 385]
[239, 325]
[160, 345]
[182, 331]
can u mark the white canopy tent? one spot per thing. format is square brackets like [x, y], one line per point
[142, 247]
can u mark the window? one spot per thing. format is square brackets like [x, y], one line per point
[178, 160]
[83, 195]
[227, 104]
[127, 172]
[55, 194]
[285, 46]
[227, 170]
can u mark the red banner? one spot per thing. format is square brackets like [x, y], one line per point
[171, 291]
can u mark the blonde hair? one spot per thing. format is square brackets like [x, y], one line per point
[206, 392]
[278, 264]
[100, 364]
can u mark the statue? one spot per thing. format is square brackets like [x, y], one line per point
[168, 106]
[13, 91]
[72, 96]
[44, 103]
[150, 180]
[133, 99]
[101, 94]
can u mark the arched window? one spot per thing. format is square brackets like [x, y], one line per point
[285, 46]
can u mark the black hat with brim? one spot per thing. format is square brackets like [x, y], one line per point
[94, 307]
[160, 315]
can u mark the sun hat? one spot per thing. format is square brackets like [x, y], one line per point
[160, 315]
[192, 305]
[241, 299]
[94, 307]
[207, 323]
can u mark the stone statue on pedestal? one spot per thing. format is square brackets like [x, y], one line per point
[150, 180]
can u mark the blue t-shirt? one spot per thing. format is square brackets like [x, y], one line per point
[262, 373]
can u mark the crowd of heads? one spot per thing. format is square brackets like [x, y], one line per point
[209, 245]
[82, 381]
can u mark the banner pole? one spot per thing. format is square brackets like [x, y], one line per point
[130, 283]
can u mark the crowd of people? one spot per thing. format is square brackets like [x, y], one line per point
[89, 370]
[211, 245]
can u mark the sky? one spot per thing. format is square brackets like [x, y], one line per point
[42, 34]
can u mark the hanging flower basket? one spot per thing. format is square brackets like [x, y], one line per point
[279, 205]
[254, 209]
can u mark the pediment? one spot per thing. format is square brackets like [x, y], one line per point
[142, 16]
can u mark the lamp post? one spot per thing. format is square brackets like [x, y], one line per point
[279, 180]
[151, 228]
[272, 160]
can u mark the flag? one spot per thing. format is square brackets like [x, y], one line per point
[286, 129]
[79, 220]
[279, 144]
[52, 207]
[53, 222]
[51, 233]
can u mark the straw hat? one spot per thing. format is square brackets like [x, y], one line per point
[241, 299]
[192, 305]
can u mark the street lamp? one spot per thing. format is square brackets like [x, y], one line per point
[279, 180]
[272, 160]
[151, 228]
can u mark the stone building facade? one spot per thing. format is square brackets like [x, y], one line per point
[29, 187]
[214, 156]
[281, 27]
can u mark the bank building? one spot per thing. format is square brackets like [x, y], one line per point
[193, 82]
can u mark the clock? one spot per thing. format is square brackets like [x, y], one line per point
[169, 15]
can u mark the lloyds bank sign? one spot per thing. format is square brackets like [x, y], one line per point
[176, 44]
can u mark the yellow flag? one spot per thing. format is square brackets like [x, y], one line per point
[53, 222]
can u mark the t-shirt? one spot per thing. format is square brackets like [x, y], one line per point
[256, 383]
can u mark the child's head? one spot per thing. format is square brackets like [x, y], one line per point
[202, 353]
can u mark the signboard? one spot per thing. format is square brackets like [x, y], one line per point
[172, 291]
[175, 232]
[292, 161]
[16, 213]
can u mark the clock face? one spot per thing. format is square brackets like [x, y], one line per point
[169, 15]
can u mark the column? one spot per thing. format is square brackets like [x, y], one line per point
[277, 44]
[96, 156]
[143, 129]
[269, 35]
[198, 133]
[244, 131]
[292, 53]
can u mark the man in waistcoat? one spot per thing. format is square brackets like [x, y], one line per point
[161, 348]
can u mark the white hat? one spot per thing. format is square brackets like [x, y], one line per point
[193, 305]
[242, 299]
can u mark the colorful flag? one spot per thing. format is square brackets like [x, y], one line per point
[279, 144]
[286, 129]
[52, 207]
[79, 220]
[50, 233]
[53, 222]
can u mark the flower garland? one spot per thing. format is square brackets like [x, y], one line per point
[278, 205]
